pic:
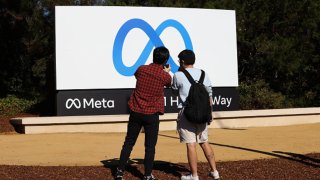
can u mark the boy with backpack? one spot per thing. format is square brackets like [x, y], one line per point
[195, 93]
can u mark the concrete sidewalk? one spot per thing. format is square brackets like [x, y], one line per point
[91, 149]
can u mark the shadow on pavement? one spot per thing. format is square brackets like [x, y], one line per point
[293, 156]
[299, 156]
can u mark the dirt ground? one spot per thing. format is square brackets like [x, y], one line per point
[287, 152]
[90, 149]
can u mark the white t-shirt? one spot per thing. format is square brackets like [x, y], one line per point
[181, 83]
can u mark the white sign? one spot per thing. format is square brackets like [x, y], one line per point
[101, 47]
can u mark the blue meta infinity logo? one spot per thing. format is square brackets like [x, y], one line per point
[154, 41]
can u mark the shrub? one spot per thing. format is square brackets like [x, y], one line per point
[11, 105]
[258, 95]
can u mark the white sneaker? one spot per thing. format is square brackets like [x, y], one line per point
[189, 177]
[214, 174]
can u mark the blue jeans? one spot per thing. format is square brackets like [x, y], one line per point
[150, 123]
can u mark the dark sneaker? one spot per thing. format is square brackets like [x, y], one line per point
[119, 174]
[151, 177]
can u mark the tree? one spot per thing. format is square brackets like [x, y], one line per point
[278, 42]
[278, 46]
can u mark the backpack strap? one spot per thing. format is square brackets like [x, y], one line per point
[191, 80]
[201, 77]
[189, 77]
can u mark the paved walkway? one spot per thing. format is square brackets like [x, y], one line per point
[92, 149]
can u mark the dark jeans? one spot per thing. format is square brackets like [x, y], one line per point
[150, 123]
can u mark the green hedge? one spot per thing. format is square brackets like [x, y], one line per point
[258, 95]
[11, 105]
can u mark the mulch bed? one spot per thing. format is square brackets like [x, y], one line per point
[300, 167]
[6, 127]
[292, 166]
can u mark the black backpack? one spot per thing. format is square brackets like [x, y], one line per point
[197, 106]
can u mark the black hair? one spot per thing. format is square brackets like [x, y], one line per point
[160, 55]
[187, 56]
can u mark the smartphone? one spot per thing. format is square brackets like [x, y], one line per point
[166, 66]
